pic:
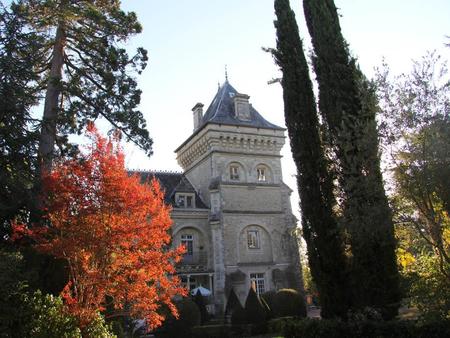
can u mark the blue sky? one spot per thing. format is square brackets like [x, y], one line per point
[190, 42]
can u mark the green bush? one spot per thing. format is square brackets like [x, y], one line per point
[315, 328]
[238, 316]
[288, 302]
[200, 301]
[254, 310]
[269, 298]
[189, 316]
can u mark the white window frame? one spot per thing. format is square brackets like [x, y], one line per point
[182, 200]
[258, 280]
[253, 239]
[234, 172]
[187, 240]
[261, 174]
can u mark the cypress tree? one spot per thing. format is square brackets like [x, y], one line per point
[320, 227]
[348, 105]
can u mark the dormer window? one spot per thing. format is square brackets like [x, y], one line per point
[185, 200]
[234, 173]
[261, 174]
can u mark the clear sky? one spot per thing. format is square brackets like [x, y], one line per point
[191, 41]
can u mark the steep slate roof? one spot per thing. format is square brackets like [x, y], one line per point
[221, 110]
[172, 182]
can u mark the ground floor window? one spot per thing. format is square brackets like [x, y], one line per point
[257, 280]
[189, 283]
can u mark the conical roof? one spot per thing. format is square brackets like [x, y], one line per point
[221, 110]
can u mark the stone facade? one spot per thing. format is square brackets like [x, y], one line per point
[231, 208]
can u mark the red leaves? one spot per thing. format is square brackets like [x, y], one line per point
[113, 232]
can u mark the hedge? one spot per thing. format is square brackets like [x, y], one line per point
[317, 328]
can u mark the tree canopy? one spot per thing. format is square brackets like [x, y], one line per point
[113, 233]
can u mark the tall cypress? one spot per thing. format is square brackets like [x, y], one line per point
[348, 105]
[320, 228]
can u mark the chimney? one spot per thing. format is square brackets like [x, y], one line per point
[241, 106]
[198, 115]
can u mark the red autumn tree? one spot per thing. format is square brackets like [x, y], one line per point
[112, 231]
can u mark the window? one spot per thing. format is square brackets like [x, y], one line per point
[261, 174]
[189, 282]
[185, 200]
[253, 239]
[188, 242]
[234, 173]
[257, 281]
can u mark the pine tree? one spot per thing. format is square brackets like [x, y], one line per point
[348, 105]
[88, 74]
[19, 91]
[320, 228]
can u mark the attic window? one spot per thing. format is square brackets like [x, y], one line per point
[185, 200]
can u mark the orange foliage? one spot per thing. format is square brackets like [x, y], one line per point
[113, 232]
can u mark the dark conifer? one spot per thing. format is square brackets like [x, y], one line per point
[89, 75]
[320, 228]
[254, 310]
[19, 92]
[348, 105]
[199, 300]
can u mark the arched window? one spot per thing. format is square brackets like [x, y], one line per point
[263, 174]
[235, 172]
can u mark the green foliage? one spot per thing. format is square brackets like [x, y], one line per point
[415, 127]
[189, 316]
[86, 72]
[315, 328]
[348, 105]
[199, 300]
[288, 302]
[232, 303]
[19, 91]
[254, 310]
[319, 224]
[33, 314]
[238, 316]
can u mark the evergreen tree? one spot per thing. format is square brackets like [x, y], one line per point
[254, 310]
[320, 228]
[199, 300]
[19, 91]
[88, 74]
[348, 105]
[232, 303]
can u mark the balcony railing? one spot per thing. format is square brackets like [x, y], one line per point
[196, 258]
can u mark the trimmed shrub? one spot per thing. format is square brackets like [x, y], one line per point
[199, 300]
[238, 316]
[254, 310]
[315, 328]
[189, 316]
[288, 302]
[232, 303]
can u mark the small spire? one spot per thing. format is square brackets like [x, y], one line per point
[218, 85]
[226, 74]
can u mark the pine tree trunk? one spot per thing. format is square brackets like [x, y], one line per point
[48, 128]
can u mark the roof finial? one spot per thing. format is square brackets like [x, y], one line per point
[226, 74]
[218, 85]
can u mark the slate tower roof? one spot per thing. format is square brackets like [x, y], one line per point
[222, 111]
